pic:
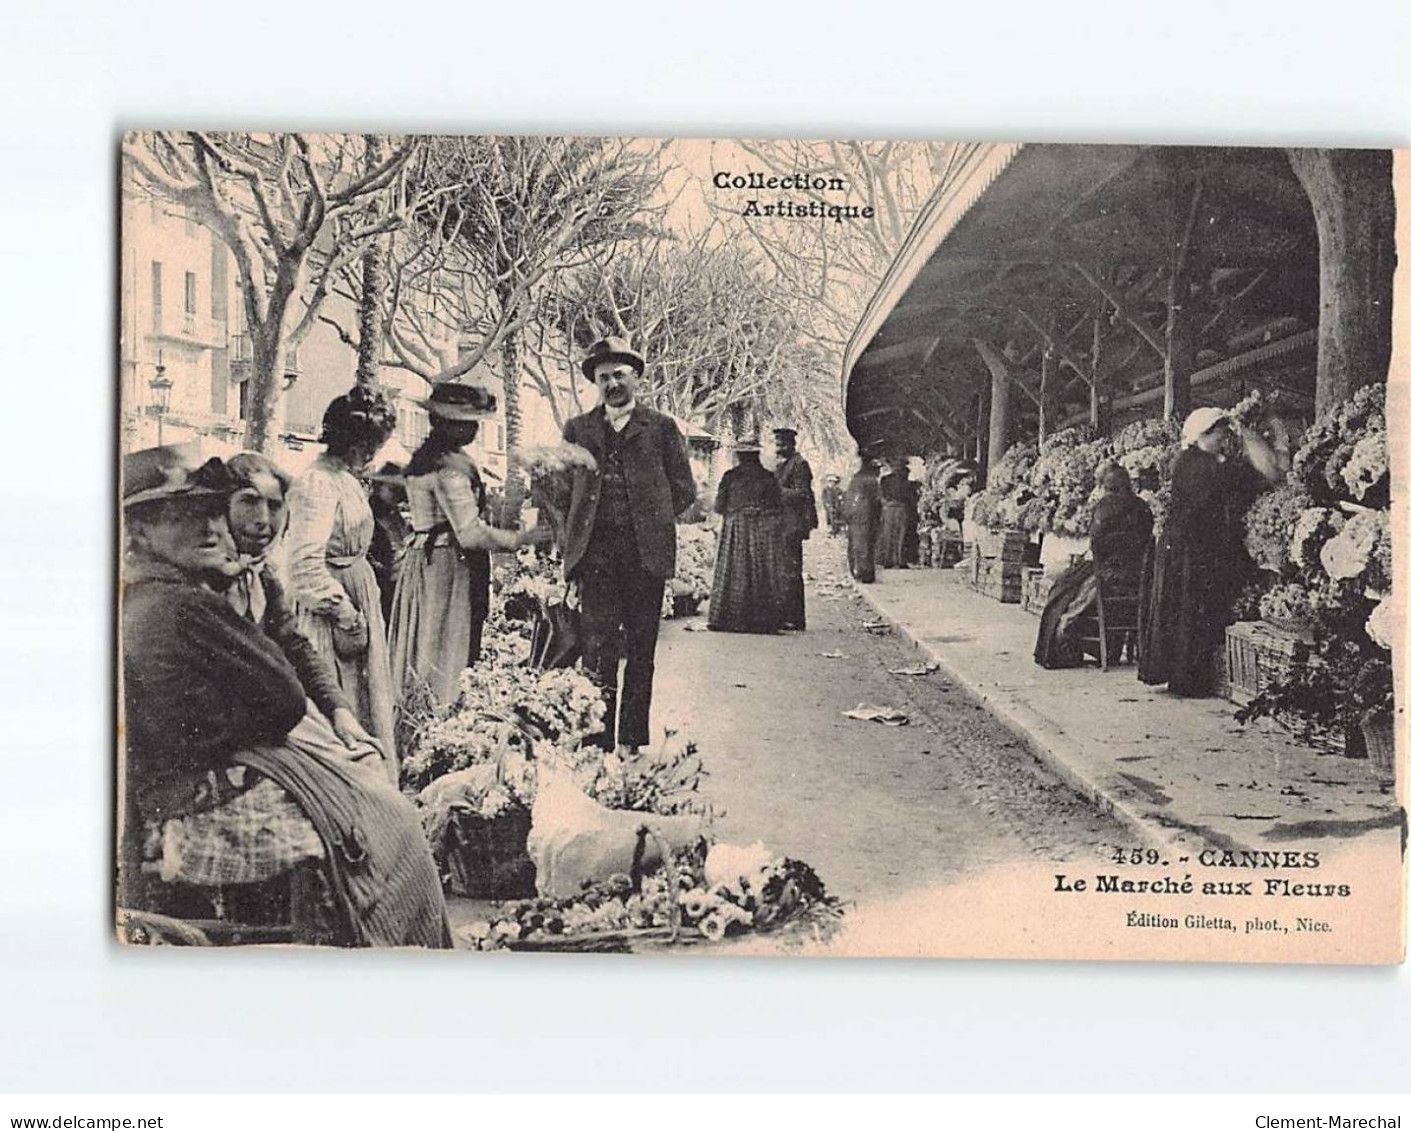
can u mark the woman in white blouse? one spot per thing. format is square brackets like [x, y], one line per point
[333, 584]
[443, 593]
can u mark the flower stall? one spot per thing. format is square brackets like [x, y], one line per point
[477, 769]
[1323, 540]
[946, 484]
[695, 570]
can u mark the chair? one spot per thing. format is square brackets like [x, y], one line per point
[1117, 616]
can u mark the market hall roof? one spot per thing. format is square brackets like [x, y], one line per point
[1068, 250]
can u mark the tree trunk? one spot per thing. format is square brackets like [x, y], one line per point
[1351, 194]
[266, 377]
[514, 486]
[374, 282]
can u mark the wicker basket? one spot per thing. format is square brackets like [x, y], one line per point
[1379, 737]
[488, 858]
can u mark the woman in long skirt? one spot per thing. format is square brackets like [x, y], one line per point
[332, 582]
[443, 593]
[749, 576]
[891, 540]
[1200, 563]
[862, 506]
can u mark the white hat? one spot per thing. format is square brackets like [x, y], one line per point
[1201, 421]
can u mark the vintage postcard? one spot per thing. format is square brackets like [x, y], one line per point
[812, 548]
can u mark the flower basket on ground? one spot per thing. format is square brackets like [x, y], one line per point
[695, 570]
[1329, 552]
[1379, 740]
[700, 894]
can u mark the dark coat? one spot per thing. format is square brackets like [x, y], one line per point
[659, 483]
[796, 482]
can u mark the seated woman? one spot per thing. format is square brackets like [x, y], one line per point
[221, 768]
[1121, 533]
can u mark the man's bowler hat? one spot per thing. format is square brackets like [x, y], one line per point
[612, 349]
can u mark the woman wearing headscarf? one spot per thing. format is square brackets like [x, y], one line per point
[1121, 533]
[258, 514]
[443, 594]
[1199, 563]
[330, 531]
[749, 572]
[863, 507]
[225, 777]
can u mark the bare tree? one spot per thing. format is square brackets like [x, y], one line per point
[496, 218]
[720, 351]
[294, 211]
[824, 270]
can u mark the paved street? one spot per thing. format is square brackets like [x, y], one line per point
[878, 810]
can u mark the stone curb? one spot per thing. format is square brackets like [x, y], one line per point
[1049, 744]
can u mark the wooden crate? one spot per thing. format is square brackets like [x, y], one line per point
[1037, 583]
[1007, 545]
[1256, 654]
[1001, 580]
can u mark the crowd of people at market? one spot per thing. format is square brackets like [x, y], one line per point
[274, 627]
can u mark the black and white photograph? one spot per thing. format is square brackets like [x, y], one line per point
[811, 548]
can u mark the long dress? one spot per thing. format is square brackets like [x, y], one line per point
[443, 594]
[206, 693]
[1199, 568]
[891, 540]
[330, 530]
[749, 573]
[1121, 533]
[863, 508]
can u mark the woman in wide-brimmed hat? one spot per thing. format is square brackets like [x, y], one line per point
[1200, 564]
[330, 531]
[443, 594]
[749, 570]
[229, 781]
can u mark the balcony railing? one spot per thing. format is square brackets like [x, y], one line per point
[191, 329]
[242, 358]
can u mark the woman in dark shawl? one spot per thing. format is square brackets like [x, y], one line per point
[1200, 564]
[749, 581]
[863, 507]
[1121, 533]
[227, 779]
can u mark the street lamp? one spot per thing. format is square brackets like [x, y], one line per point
[161, 395]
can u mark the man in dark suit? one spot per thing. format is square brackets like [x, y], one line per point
[620, 537]
[800, 518]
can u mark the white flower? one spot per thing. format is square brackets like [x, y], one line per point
[1381, 624]
[727, 864]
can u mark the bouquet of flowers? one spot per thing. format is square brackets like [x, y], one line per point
[1311, 531]
[551, 469]
[1007, 491]
[535, 580]
[1065, 478]
[1268, 522]
[1360, 552]
[1328, 462]
[695, 566]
